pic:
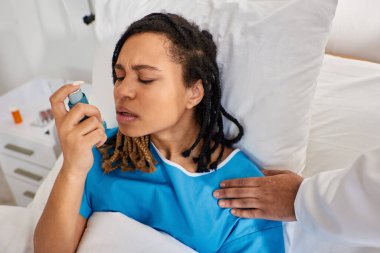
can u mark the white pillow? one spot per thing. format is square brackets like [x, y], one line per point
[270, 53]
[356, 30]
[115, 232]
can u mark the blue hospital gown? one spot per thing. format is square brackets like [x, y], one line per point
[181, 204]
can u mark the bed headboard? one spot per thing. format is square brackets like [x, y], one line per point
[356, 30]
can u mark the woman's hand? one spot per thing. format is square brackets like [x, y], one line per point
[77, 138]
[271, 197]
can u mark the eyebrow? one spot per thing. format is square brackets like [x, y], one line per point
[137, 67]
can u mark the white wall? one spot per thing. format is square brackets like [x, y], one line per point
[44, 38]
[14, 65]
[356, 30]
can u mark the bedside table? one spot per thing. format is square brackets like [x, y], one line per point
[27, 152]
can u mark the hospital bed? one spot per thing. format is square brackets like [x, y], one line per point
[344, 124]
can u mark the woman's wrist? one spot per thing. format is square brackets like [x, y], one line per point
[73, 174]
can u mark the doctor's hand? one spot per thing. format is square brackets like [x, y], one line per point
[77, 138]
[271, 197]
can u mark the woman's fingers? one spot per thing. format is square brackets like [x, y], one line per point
[96, 137]
[58, 98]
[90, 124]
[92, 131]
[79, 111]
[69, 123]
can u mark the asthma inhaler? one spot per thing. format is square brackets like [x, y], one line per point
[79, 97]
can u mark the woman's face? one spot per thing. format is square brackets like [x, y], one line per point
[150, 95]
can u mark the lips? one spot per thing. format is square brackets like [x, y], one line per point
[123, 115]
[124, 111]
[127, 114]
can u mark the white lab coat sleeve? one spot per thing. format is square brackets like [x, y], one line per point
[343, 205]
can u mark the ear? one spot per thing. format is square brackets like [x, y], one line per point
[196, 93]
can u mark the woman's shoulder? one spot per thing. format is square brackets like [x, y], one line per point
[98, 160]
[238, 162]
[236, 155]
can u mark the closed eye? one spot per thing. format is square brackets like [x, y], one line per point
[120, 78]
[146, 81]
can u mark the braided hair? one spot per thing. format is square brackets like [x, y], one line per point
[196, 51]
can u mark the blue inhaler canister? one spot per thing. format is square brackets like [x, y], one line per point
[77, 97]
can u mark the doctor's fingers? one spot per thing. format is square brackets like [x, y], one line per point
[58, 98]
[249, 213]
[243, 182]
[241, 203]
[272, 172]
[247, 192]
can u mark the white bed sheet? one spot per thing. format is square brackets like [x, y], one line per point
[345, 123]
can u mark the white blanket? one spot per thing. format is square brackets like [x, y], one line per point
[16, 229]
[114, 232]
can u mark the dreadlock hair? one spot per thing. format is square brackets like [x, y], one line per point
[196, 51]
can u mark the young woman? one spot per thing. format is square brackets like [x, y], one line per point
[162, 164]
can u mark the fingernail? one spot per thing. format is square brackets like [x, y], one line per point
[222, 203]
[216, 194]
[77, 83]
[233, 211]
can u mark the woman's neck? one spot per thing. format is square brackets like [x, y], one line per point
[171, 143]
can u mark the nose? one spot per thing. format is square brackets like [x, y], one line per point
[125, 89]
